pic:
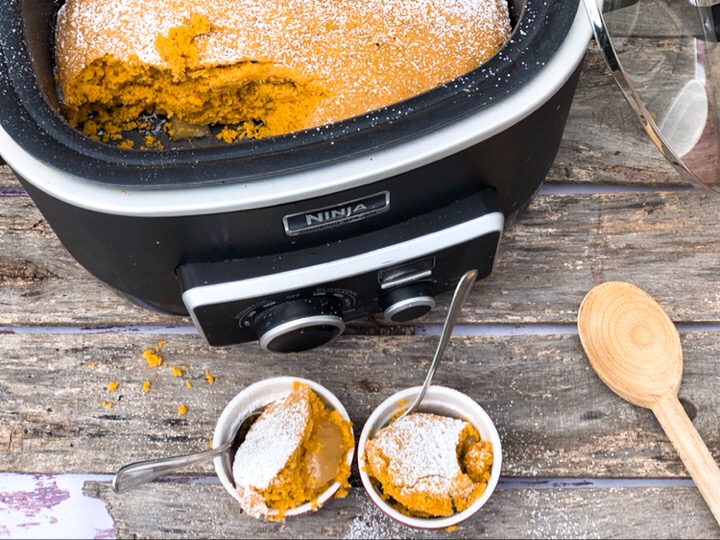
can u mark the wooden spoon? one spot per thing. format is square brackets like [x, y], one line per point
[635, 349]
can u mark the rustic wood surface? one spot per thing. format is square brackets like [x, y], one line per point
[162, 512]
[578, 461]
[665, 242]
[554, 415]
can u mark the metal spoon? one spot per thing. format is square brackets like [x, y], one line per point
[461, 291]
[136, 474]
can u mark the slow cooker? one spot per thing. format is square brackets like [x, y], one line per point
[284, 240]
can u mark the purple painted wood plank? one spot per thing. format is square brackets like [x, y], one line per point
[51, 506]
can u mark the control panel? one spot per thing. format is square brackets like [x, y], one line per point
[300, 300]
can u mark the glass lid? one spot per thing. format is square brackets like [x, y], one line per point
[665, 56]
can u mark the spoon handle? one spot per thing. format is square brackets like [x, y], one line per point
[461, 292]
[692, 450]
[136, 474]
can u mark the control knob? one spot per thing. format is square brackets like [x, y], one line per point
[408, 302]
[300, 324]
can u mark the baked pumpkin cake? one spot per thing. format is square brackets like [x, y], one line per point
[260, 67]
[427, 465]
[292, 453]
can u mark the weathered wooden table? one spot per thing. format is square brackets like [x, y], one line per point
[578, 461]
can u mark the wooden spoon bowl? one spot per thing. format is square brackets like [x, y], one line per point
[631, 343]
[635, 349]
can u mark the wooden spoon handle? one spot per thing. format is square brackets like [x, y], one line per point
[692, 450]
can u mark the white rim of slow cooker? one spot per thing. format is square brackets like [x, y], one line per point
[352, 173]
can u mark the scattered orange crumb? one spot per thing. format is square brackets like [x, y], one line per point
[106, 404]
[210, 442]
[210, 378]
[146, 386]
[112, 386]
[188, 384]
[185, 367]
[152, 356]
[92, 365]
[150, 141]
[177, 372]
[182, 409]
[452, 528]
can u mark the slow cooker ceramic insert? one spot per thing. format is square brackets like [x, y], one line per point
[285, 239]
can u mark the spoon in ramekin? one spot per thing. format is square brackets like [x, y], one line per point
[461, 291]
[136, 474]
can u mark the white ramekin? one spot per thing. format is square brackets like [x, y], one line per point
[253, 397]
[445, 402]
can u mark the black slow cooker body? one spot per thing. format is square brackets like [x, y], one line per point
[160, 258]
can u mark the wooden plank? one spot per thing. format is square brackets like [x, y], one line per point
[41, 284]
[662, 242]
[554, 415]
[604, 143]
[161, 511]
[7, 178]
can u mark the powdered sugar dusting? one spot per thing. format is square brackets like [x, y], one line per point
[372, 524]
[370, 53]
[422, 452]
[270, 443]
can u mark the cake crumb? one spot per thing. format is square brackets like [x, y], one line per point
[151, 142]
[152, 356]
[182, 409]
[208, 377]
[177, 372]
[106, 404]
[146, 387]
[112, 386]
[188, 384]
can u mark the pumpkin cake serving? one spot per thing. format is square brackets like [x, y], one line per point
[260, 67]
[429, 465]
[292, 453]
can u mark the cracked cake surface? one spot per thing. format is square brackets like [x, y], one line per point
[261, 67]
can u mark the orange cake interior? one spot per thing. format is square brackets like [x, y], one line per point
[427, 465]
[260, 67]
[292, 453]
